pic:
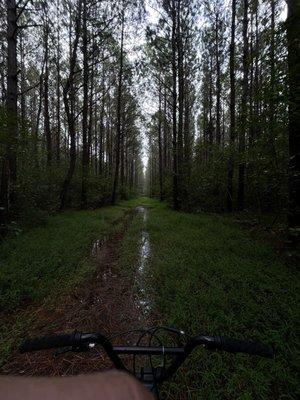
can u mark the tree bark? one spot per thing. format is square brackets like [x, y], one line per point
[58, 92]
[119, 114]
[85, 149]
[69, 101]
[47, 128]
[232, 109]
[9, 173]
[293, 37]
[160, 150]
[218, 83]
[181, 94]
[244, 113]
[23, 88]
[174, 108]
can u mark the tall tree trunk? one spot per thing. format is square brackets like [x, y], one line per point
[47, 128]
[92, 113]
[244, 113]
[272, 111]
[188, 141]
[232, 109]
[69, 101]
[85, 150]
[160, 150]
[211, 124]
[101, 138]
[174, 108]
[58, 83]
[165, 133]
[218, 83]
[119, 114]
[110, 144]
[251, 84]
[122, 152]
[23, 87]
[37, 123]
[9, 173]
[293, 35]
[180, 148]
[256, 108]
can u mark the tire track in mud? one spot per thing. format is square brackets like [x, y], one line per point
[106, 301]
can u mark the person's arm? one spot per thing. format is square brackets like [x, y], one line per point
[112, 385]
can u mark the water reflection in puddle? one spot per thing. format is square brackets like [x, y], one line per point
[142, 273]
[96, 247]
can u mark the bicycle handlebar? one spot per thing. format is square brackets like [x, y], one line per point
[51, 342]
[78, 340]
[75, 339]
[235, 346]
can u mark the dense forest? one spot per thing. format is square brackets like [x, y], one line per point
[149, 196]
[69, 113]
[221, 81]
[220, 139]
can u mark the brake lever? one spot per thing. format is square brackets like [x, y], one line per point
[71, 349]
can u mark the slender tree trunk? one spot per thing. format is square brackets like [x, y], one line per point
[174, 108]
[85, 150]
[69, 101]
[256, 111]
[218, 83]
[188, 140]
[119, 114]
[38, 117]
[211, 125]
[23, 87]
[47, 128]
[251, 84]
[161, 191]
[92, 113]
[165, 133]
[9, 173]
[293, 35]
[110, 147]
[272, 111]
[180, 147]
[58, 83]
[101, 138]
[122, 152]
[232, 109]
[244, 113]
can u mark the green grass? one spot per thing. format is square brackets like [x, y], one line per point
[211, 276]
[47, 257]
[41, 263]
[141, 201]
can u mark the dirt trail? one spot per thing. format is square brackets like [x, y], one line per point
[107, 302]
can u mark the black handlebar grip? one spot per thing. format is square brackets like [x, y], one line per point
[238, 346]
[50, 342]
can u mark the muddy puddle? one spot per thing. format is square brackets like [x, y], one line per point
[143, 300]
[104, 302]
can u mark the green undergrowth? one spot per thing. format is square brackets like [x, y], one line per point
[50, 256]
[141, 201]
[207, 275]
[43, 262]
[211, 276]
